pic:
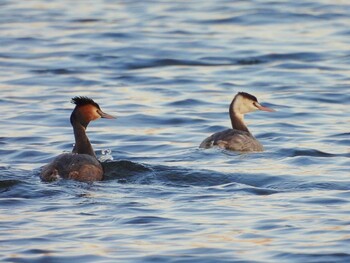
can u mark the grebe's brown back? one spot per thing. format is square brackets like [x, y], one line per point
[81, 164]
[239, 137]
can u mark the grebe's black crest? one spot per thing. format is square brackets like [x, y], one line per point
[81, 101]
[248, 96]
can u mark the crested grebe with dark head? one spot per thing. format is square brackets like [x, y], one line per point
[239, 137]
[81, 164]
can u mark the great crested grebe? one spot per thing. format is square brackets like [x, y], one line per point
[239, 137]
[81, 164]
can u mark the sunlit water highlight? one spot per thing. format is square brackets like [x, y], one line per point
[168, 70]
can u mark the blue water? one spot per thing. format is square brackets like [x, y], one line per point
[168, 70]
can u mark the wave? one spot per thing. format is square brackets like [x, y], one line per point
[257, 184]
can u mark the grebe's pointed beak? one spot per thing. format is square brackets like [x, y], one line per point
[260, 107]
[105, 115]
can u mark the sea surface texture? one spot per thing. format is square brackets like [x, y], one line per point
[169, 70]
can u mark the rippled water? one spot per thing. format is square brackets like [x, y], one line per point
[168, 70]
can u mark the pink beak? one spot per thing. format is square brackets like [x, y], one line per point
[105, 115]
[260, 107]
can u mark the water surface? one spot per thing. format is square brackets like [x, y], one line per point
[169, 70]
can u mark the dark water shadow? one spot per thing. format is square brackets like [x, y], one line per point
[127, 172]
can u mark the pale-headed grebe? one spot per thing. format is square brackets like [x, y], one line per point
[239, 137]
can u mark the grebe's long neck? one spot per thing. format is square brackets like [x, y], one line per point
[82, 143]
[237, 119]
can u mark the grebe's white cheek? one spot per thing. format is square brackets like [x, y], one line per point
[254, 108]
[247, 107]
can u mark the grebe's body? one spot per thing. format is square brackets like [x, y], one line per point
[81, 164]
[234, 140]
[239, 137]
[75, 166]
